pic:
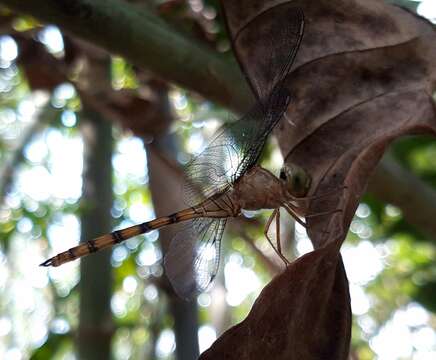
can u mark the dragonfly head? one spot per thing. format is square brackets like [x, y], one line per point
[296, 180]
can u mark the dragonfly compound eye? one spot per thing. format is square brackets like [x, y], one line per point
[297, 180]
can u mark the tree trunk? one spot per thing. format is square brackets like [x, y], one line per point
[166, 194]
[95, 326]
[167, 198]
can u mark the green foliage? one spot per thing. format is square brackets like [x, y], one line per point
[54, 348]
[123, 74]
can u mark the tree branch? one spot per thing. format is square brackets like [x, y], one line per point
[147, 41]
[393, 184]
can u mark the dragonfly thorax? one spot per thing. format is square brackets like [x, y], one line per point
[258, 189]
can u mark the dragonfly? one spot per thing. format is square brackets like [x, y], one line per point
[222, 181]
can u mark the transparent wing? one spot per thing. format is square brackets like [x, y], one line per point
[192, 260]
[233, 151]
[276, 41]
[238, 146]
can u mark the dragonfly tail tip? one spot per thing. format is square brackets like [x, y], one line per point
[47, 263]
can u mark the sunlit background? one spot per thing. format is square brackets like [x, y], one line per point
[39, 217]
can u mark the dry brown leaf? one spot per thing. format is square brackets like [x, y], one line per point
[277, 326]
[365, 74]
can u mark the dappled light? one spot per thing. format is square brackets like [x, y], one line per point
[44, 152]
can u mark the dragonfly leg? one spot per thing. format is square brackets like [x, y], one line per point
[275, 216]
[291, 211]
[278, 239]
[279, 244]
[320, 196]
[322, 213]
[295, 210]
[268, 225]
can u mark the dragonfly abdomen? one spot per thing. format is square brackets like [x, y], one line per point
[214, 208]
[119, 236]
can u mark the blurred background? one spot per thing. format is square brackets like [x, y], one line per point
[90, 144]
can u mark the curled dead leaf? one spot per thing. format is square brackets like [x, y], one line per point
[364, 75]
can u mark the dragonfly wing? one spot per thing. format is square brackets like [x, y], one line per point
[210, 172]
[238, 146]
[232, 152]
[192, 260]
[273, 43]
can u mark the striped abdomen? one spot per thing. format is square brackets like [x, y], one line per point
[209, 208]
